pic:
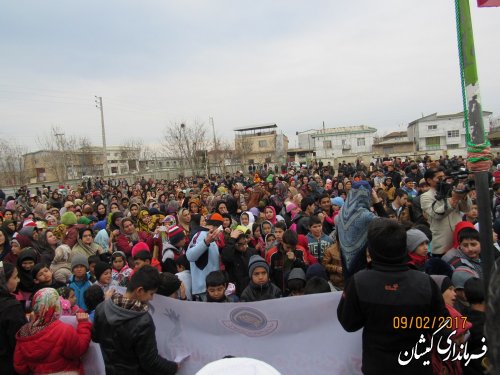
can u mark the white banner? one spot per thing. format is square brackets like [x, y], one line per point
[296, 335]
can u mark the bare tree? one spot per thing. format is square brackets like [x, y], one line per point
[243, 147]
[60, 153]
[189, 143]
[12, 163]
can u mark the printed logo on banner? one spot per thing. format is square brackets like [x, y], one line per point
[250, 322]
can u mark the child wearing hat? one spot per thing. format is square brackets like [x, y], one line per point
[417, 246]
[103, 275]
[173, 249]
[260, 287]
[80, 282]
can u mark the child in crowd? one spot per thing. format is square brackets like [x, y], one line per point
[471, 215]
[265, 228]
[256, 240]
[25, 264]
[247, 219]
[282, 258]
[184, 274]
[217, 283]
[171, 286]
[279, 230]
[337, 204]
[142, 247]
[93, 296]
[468, 253]
[316, 285]
[474, 292]
[296, 282]
[80, 281]
[173, 249]
[270, 241]
[93, 260]
[103, 275]
[417, 246]
[141, 258]
[260, 287]
[333, 265]
[43, 278]
[121, 272]
[125, 329]
[68, 301]
[46, 345]
[317, 241]
[61, 264]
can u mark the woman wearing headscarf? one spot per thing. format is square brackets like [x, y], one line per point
[184, 220]
[9, 226]
[46, 345]
[144, 222]
[85, 244]
[4, 244]
[277, 200]
[47, 244]
[351, 226]
[130, 236]
[12, 317]
[61, 264]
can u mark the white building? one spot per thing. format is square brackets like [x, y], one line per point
[441, 132]
[336, 142]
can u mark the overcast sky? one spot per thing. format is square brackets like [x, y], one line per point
[294, 63]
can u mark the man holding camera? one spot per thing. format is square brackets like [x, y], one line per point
[443, 211]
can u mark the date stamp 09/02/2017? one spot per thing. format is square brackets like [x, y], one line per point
[428, 322]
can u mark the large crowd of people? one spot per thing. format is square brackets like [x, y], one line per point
[398, 237]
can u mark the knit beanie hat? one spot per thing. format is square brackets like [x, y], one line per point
[140, 246]
[84, 220]
[414, 238]
[23, 241]
[100, 268]
[461, 275]
[69, 218]
[169, 283]
[256, 261]
[337, 201]
[297, 273]
[437, 266]
[318, 270]
[79, 260]
[443, 282]
[215, 220]
[117, 254]
[176, 234]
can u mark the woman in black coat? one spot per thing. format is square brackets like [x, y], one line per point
[12, 317]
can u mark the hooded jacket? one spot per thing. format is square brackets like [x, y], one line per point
[57, 348]
[128, 341]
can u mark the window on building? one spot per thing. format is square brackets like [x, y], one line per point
[432, 127]
[453, 146]
[327, 144]
[343, 142]
[433, 143]
[453, 133]
[361, 141]
[263, 143]
[388, 150]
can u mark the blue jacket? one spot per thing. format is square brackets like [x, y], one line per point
[196, 253]
[80, 287]
[317, 247]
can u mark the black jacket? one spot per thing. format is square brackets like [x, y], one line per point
[255, 292]
[12, 317]
[128, 341]
[374, 299]
[236, 264]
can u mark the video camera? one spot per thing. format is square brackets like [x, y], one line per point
[444, 188]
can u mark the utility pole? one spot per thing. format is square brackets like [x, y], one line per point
[98, 102]
[215, 146]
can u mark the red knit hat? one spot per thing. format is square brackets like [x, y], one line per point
[175, 234]
[140, 246]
